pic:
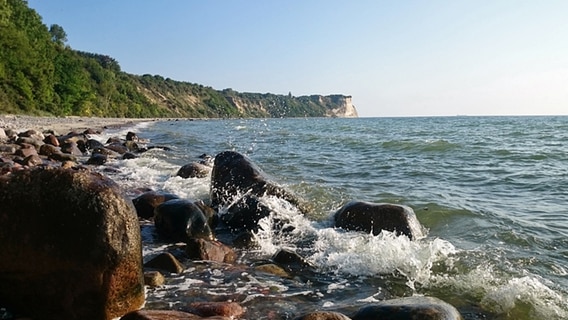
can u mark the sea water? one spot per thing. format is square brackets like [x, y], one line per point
[491, 191]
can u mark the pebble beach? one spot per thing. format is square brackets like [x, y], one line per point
[62, 125]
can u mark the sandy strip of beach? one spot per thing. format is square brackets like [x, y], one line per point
[64, 125]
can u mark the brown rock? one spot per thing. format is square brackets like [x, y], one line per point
[160, 315]
[203, 249]
[70, 246]
[52, 140]
[48, 150]
[153, 278]
[32, 134]
[63, 157]
[165, 262]
[32, 161]
[194, 170]
[273, 269]
[71, 147]
[26, 150]
[323, 315]
[210, 309]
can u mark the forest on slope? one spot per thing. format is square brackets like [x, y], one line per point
[41, 75]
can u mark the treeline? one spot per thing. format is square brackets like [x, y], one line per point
[40, 75]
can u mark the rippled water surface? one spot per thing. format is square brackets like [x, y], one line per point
[492, 192]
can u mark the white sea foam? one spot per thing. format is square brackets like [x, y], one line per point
[507, 295]
[351, 253]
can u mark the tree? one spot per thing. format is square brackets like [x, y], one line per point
[58, 35]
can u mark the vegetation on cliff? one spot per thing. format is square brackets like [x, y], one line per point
[40, 75]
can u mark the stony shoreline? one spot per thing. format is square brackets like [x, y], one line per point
[174, 220]
[63, 125]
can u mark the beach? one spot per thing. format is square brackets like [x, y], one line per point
[63, 125]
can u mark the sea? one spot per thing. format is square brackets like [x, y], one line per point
[492, 193]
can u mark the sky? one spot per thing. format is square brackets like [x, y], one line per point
[395, 58]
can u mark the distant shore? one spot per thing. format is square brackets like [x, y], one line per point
[63, 125]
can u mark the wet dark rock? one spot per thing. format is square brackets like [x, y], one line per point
[118, 148]
[211, 250]
[32, 161]
[165, 262]
[72, 137]
[237, 183]
[71, 147]
[132, 146]
[154, 279]
[107, 152]
[26, 150]
[193, 170]
[70, 246]
[206, 159]
[419, 307]
[91, 131]
[291, 261]
[31, 141]
[161, 315]
[34, 134]
[323, 315]
[97, 159]
[92, 144]
[63, 157]
[154, 147]
[129, 155]
[375, 217]
[180, 220]
[131, 136]
[7, 149]
[223, 308]
[148, 201]
[113, 140]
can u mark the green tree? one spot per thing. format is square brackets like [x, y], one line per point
[58, 35]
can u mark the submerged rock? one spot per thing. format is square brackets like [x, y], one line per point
[323, 315]
[193, 170]
[375, 217]
[70, 246]
[423, 308]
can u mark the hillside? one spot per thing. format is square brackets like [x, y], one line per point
[40, 75]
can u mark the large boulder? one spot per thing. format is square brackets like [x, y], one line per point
[237, 183]
[376, 217]
[70, 246]
[181, 220]
[419, 307]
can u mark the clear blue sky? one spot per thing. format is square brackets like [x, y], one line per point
[396, 57]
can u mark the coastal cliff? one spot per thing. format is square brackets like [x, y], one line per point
[40, 75]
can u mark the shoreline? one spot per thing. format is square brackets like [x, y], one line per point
[64, 125]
